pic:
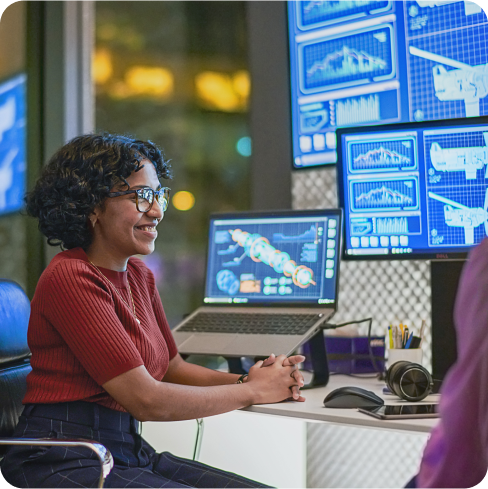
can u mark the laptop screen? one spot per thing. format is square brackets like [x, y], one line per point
[279, 258]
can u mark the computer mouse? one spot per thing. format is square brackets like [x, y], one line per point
[352, 397]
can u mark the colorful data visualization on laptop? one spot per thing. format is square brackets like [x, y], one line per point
[289, 257]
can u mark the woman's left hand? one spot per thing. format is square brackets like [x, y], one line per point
[296, 374]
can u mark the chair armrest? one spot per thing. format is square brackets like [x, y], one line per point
[104, 455]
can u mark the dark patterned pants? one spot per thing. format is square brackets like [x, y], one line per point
[136, 462]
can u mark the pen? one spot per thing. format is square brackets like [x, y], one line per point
[390, 336]
[422, 330]
[398, 337]
[409, 341]
[405, 337]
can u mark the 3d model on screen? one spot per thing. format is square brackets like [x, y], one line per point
[458, 215]
[470, 8]
[259, 249]
[227, 282]
[465, 82]
[468, 159]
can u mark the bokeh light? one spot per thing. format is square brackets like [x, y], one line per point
[244, 146]
[183, 200]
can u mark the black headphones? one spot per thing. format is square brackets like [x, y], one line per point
[409, 381]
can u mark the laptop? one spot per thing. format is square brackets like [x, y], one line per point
[271, 282]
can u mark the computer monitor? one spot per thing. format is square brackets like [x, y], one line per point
[12, 144]
[287, 258]
[377, 62]
[414, 190]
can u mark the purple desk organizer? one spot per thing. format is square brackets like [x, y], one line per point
[350, 354]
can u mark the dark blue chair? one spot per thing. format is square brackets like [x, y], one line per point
[14, 367]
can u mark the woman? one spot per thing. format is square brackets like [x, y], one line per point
[99, 338]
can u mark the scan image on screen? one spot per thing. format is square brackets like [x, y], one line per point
[292, 259]
[367, 62]
[418, 188]
[456, 186]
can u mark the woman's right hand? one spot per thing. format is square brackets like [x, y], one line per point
[273, 383]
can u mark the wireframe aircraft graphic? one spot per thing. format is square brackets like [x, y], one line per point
[468, 159]
[458, 215]
[465, 82]
[470, 8]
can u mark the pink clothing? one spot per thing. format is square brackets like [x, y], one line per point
[456, 454]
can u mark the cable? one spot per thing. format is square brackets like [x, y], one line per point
[370, 348]
[198, 440]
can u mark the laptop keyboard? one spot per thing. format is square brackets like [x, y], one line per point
[283, 324]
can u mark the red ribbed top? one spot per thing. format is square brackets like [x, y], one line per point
[81, 334]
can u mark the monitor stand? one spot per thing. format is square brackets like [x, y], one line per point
[444, 275]
[320, 365]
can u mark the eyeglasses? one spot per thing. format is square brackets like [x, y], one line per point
[145, 197]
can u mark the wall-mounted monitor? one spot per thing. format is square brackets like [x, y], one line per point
[12, 144]
[414, 190]
[378, 62]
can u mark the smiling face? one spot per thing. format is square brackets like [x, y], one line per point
[120, 230]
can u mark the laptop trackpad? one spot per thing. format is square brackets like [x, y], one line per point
[207, 343]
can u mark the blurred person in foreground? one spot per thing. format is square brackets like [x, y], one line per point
[456, 454]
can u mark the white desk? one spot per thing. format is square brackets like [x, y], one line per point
[313, 408]
[255, 446]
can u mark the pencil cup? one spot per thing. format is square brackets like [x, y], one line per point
[413, 355]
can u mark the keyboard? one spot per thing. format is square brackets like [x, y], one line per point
[255, 323]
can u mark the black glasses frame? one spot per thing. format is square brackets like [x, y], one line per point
[162, 196]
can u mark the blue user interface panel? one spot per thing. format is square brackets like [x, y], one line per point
[12, 144]
[414, 189]
[369, 62]
[280, 259]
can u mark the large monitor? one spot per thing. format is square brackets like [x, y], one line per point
[414, 190]
[376, 62]
[287, 258]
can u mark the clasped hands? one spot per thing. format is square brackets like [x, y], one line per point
[291, 361]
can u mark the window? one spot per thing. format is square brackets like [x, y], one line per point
[176, 73]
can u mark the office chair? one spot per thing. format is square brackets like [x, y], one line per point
[14, 367]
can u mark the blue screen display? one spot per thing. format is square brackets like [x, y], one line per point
[12, 144]
[414, 189]
[367, 62]
[289, 259]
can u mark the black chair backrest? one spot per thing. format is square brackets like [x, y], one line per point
[14, 354]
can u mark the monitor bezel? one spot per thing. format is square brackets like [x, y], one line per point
[403, 126]
[335, 212]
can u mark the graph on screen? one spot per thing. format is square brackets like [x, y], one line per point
[439, 203]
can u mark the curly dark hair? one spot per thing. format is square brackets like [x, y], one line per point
[79, 177]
